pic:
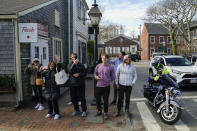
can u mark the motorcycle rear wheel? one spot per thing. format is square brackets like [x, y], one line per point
[172, 116]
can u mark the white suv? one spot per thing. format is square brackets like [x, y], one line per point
[179, 68]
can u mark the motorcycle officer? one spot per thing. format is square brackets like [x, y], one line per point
[161, 71]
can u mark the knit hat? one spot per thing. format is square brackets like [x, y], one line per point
[125, 57]
[35, 60]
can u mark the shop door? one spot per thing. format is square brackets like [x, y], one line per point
[40, 50]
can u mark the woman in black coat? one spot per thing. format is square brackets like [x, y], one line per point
[52, 90]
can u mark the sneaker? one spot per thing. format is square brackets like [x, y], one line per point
[84, 114]
[37, 106]
[57, 116]
[79, 102]
[105, 116]
[113, 103]
[98, 113]
[70, 103]
[48, 115]
[117, 114]
[75, 113]
[41, 108]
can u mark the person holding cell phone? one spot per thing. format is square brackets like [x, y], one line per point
[104, 74]
[77, 75]
[32, 70]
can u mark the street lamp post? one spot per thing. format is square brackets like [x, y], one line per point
[95, 17]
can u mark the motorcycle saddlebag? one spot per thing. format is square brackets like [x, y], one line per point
[149, 92]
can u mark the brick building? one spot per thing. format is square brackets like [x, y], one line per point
[155, 38]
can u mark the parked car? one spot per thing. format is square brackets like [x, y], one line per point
[192, 58]
[179, 68]
[135, 57]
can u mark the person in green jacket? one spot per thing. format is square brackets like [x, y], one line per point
[32, 70]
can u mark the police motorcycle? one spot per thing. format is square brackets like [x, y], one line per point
[162, 95]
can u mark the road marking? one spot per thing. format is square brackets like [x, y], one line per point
[147, 118]
[180, 126]
[195, 100]
[138, 99]
[187, 97]
[182, 97]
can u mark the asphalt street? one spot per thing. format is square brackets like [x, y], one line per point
[145, 118]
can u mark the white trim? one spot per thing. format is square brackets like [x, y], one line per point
[152, 42]
[170, 50]
[162, 41]
[75, 39]
[119, 36]
[8, 16]
[167, 40]
[150, 51]
[22, 13]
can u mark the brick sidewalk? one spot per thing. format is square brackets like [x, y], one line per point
[29, 119]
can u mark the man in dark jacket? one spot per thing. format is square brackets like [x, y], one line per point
[77, 75]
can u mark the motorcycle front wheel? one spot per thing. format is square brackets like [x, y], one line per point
[171, 116]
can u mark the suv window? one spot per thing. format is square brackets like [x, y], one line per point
[162, 61]
[178, 62]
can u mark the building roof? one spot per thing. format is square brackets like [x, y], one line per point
[156, 28]
[12, 7]
[121, 40]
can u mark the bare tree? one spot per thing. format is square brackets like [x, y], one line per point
[163, 12]
[175, 16]
[186, 11]
[108, 30]
[133, 33]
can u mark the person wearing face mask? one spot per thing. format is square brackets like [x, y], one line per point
[32, 70]
[126, 77]
[52, 90]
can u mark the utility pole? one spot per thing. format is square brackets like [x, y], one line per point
[140, 40]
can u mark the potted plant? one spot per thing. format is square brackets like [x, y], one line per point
[7, 83]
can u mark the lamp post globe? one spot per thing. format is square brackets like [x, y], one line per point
[95, 14]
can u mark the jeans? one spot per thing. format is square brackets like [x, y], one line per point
[124, 90]
[38, 93]
[115, 91]
[53, 106]
[102, 92]
[78, 94]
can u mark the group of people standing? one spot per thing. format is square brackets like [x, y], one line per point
[123, 76]
[77, 74]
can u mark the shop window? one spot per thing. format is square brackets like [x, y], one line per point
[57, 18]
[44, 53]
[57, 48]
[36, 52]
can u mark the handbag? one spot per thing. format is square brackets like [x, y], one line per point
[39, 82]
[61, 77]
